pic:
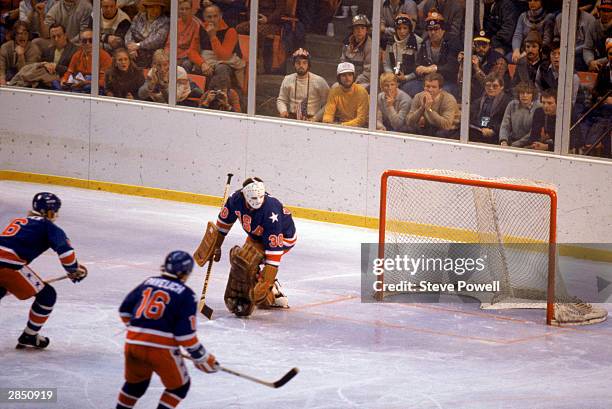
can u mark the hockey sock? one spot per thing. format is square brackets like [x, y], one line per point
[172, 397]
[130, 393]
[41, 309]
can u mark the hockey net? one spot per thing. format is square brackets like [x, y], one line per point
[511, 222]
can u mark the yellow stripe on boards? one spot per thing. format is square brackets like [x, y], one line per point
[436, 232]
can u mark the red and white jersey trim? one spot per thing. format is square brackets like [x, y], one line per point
[10, 257]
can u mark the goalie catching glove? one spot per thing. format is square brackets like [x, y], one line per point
[79, 274]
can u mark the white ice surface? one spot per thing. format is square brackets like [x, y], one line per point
[350, 354]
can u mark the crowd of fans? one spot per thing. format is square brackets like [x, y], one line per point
[515, 62]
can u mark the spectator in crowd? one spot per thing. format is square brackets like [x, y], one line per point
[17, 53]
[485, 61]
[81, 66]
[148, 32]
[400, 54]
[358, 49]
[269, 22]
[221, 96]
[498, 21]
[123, 79]
[438, 54]
[114, 25]
[57, 57]
[528, 64]
[33, 13]
[220, 49]
[73, 15]
[434, 112]
[155, 87]
[9, 14]
[452, 10]
[231, 10]
[390, 10]
[547, 76]
[594, 51]
[348, 103]
[516, 126]
[600, 120]
[585, 22]
[542, 135]
[488, 111]
[534, 19]
[393, 105]
[302, 95]
[188, 39]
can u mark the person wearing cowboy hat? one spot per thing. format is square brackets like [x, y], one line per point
[358, 49]
[302, 95]
[148, 32]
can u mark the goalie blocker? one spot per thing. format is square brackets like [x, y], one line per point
[271, 233]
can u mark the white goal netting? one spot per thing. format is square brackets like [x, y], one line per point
[509, 222]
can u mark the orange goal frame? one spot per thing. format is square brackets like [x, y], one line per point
[552, 234]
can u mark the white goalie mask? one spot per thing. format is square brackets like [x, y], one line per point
[254, 192]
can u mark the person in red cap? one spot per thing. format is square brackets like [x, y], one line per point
[595, 40]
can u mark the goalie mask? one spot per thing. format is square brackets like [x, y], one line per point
[178, 264]
[254, 192]
[46, 205]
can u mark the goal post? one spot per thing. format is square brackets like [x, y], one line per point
[513, 221]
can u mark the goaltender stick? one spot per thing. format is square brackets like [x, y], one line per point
[271, 233]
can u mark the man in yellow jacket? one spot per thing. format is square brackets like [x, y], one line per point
[348, 103]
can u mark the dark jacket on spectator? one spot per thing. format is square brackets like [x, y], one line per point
[121, 83]
[499, 22]
[604, 82]
[525, 72]
[453, 12]
[495, 117]
[64, 61]
[543, 128]
[493, 61]
[447, 63]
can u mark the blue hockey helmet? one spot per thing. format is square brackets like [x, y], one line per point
[46, 202]
[178, 264]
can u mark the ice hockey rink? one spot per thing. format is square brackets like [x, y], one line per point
[350, 354]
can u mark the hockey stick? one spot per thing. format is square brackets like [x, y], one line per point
[202, 307]
[276, 384]
[52, 280]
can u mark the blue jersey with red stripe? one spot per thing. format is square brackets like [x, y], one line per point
[26, 238]
[161, 312]
[271, 224]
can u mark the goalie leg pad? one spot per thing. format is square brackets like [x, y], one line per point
[208, 244]
[262, 292]
[244, 263]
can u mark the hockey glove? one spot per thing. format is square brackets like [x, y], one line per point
[208, 363]
[79, 274]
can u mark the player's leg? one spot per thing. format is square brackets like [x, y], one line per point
[25, 284]
[39, 313]
[172, 397]
[170, 366]
[138, 373]
[244, 266]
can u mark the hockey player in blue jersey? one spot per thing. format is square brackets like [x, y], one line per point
[23, 240]
[160, 315]
[270, 234]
